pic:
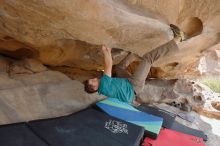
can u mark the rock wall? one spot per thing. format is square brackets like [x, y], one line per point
[69, 33]
[184, 94]
[210, 64]
[26, 95]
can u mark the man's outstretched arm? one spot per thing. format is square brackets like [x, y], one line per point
[108, 60]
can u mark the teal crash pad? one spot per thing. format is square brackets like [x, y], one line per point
[124, 111]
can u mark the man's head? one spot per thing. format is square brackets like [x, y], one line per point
[91, 85]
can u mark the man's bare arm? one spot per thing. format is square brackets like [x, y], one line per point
[108, 60]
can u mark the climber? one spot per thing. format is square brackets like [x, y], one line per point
[124, 86]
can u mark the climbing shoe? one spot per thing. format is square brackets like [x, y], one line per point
[178, 33]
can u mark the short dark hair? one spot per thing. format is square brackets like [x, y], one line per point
[88, 88]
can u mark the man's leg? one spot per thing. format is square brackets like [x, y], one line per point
[140, 75]
[120, 69]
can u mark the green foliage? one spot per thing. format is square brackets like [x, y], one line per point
[212, 83]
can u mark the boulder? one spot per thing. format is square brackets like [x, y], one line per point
[70, 33]
[183, 93]
[46, 94]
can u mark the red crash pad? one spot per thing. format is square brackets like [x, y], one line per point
[169, 137]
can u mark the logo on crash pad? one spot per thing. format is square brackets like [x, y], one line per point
[116, 126]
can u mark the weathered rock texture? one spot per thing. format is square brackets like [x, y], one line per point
[25, 95]
[210, 64]
[70, 32]
[186, 93]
